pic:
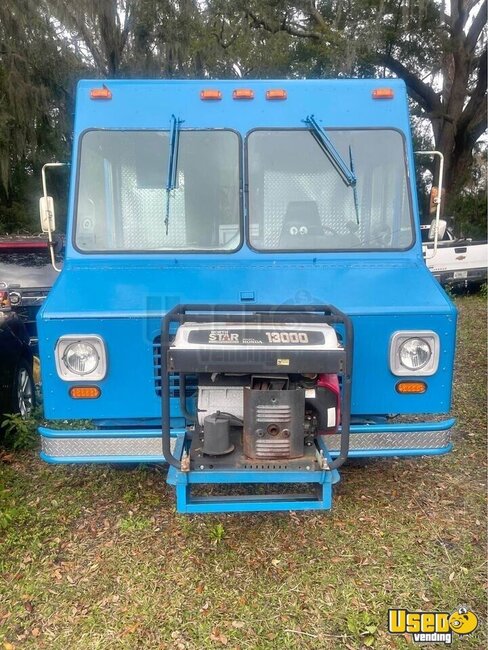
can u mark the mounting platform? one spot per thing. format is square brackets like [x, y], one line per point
[196, 487]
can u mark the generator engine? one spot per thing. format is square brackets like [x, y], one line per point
[274, 412]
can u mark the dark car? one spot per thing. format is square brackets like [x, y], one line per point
[27, 275]
[17, 389]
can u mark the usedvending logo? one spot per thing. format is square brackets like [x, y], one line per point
[432, 627]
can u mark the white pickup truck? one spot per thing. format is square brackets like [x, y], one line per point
[456, 261]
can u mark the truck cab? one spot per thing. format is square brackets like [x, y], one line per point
[243, 294]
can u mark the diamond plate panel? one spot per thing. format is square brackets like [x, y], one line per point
[93, 447]
[281, 188]
[364, 441]
[143, 211]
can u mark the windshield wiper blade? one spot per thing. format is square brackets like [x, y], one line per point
[174, 139]
[347, 175]
[354, 187]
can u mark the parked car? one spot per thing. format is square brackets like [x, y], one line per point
[17, 389]
[457, 261]
[27, 275]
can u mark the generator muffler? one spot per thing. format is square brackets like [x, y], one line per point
[273, 423]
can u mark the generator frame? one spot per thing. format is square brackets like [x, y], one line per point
[320, 476]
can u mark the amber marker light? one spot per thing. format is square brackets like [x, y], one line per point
[411, 387]
[210, 94]
[243, 93]
[276, 93]
[383, 93]
[100, 93]
[84, 392]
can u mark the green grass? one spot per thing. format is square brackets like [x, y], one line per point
[97, 558]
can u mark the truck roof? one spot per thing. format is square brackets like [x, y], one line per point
[149, 104]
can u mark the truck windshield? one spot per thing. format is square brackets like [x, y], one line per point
[298, 201]
[121, 204]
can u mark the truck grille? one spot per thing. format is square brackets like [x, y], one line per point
[174, 382]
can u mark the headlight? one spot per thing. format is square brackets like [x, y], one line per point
[81, 358]
[414, 353]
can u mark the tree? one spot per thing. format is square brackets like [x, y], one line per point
[438, 49]
[162, 38]
[35, 102]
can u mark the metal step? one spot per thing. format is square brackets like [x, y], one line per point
[318, 481]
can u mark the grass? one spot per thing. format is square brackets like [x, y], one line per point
[97, 558]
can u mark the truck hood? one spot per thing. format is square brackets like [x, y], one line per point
[142, 289]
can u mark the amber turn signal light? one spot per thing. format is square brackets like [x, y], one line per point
[276, 93]
[243, 93]
[411, 387]
[84, 392]
[100, 93]
[210, 94]
[383, 93]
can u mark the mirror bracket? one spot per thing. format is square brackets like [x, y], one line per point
[437, 200]
[46, 208]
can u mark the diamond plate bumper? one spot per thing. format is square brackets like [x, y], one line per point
[144, 446]
[103, 446]
[393, 444]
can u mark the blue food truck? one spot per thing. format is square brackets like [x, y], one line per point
[243, 295]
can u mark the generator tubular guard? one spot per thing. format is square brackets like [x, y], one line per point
[248, 314]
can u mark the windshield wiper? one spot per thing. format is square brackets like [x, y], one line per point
[174, 139]
[346, 173]
[348, 176]
[354, 187]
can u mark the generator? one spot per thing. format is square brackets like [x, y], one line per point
[271, 383]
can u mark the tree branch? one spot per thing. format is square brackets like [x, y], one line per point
[317, 16]
[475, 30]
[478, 94]
[293, 30]
[128, 25]
[421, 92]
[90, 43]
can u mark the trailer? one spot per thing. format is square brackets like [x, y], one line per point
[243, 295]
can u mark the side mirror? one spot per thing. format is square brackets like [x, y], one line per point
[46, 212]
[441, 229]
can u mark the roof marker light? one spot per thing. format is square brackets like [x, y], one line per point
[276, 93]
[243, 93]
[383, 93]
[100, 93]
[211, 94]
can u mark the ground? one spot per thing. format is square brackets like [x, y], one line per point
[97, 558]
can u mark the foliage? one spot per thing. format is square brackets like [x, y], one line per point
[45, 46]
[437, 48]
[362, 627]
[6, 515]
[469, 206]
[20, 433]
[217, 533]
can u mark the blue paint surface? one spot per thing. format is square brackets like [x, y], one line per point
[122, 297]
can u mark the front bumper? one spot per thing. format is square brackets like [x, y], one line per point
[145, 445]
